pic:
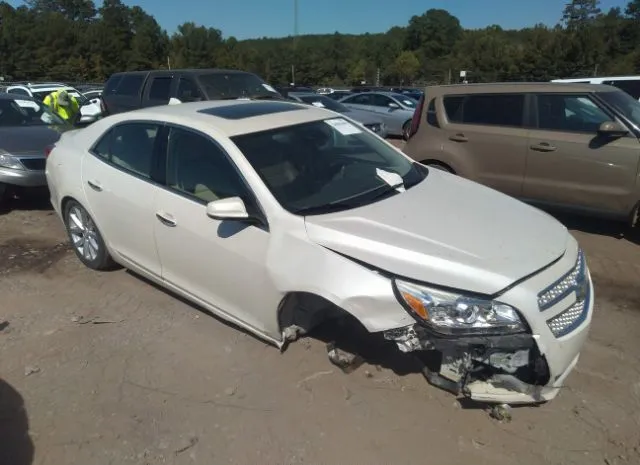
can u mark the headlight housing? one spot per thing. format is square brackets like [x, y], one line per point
[451, 313]
[9, 161]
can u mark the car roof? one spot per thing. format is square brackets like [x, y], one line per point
[6, 96]
[599, 78]
[186, 71]
[498, 87]
[306, 94]
[225, 116]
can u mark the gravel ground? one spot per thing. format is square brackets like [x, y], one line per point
[105, 368]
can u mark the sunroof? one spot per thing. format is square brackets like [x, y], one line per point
[246, 110]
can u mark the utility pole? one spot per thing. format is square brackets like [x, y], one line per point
[378, 78]
[295, 42]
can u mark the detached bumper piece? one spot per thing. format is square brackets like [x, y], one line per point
[492, 369]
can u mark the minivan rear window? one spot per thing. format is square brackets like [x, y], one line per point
[112, 84]
[130, 84]
[486, 109]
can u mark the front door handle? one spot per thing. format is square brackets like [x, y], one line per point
[95, 185]
[459, 138]
[166, 219]
[543, 147]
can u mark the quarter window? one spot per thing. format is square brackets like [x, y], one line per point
[199, 168]
[570, 113]
[453, 108]
[432, 115]
[160, 88]
[494, 110]
[188, 91]
[130, 147]
[130, 84]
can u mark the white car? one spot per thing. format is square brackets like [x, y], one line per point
[90, 109]
[276, 216]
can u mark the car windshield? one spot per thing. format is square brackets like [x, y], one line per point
[327, 165]
[220, 86]
[17, 112]
[324, 102]
[405, 100]
[623, 103]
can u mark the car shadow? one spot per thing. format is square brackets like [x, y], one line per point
[16, 446]
[599, 226]
[37, 200]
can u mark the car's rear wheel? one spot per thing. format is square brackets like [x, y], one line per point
[406, 130]
[85, 237]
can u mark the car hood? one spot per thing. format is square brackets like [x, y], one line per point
[363, 117]
[446, 231]
[29, 140]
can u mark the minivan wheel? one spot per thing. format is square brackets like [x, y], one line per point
[406, 130]
[85, 238]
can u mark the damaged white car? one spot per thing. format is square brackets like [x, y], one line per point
[277, 216]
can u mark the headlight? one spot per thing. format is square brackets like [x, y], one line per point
[458, 314]
[9, 161]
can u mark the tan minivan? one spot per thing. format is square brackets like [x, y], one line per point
[563, 145]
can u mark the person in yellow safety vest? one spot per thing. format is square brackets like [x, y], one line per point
[62, 104]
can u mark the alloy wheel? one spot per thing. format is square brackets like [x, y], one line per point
[83, 233]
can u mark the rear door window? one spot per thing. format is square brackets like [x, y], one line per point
[160, 89]
[112, 84]
[453, 107]
[494, 110]
[130, 84]
[188, 91]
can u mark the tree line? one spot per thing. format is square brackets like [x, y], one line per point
[77, 40]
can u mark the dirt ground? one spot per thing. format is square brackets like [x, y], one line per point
[105, 368]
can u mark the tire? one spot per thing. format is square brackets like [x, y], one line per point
[406, 129]
[86, 240]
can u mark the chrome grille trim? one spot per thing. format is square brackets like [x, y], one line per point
[570, 282]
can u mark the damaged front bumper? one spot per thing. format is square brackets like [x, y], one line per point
[509, 369]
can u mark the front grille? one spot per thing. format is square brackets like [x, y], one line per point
[36, 164]
[564, 286]
[576, 281]
[570, 319]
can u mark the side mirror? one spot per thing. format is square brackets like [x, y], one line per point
[394, 106]
[613, 129]
[232, 208]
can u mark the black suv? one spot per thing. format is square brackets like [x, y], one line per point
[133, 90]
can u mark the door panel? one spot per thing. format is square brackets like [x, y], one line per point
[484, 134]
[222, 263]
[120, 195]
[570, 164]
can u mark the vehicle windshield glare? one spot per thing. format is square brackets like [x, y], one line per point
[324, 102]
[17, 112]
[219, 86]
[326, 166]
[405, 100]
[625, 104]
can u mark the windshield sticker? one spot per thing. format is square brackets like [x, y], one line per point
[269, 88]
[393, 179]
[318, 104]
[343, 126]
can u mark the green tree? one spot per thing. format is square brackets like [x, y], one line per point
[406, 67]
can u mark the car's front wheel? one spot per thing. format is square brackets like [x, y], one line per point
[85, 237]
[406, 130]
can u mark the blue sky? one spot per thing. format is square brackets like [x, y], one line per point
[273, 18]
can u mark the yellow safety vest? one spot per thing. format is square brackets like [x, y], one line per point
[67, 113]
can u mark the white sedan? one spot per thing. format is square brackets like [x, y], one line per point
[277, 216]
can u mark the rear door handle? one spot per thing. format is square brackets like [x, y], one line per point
[166, 219]
[95, 185]
[459, 138]
[543, 147]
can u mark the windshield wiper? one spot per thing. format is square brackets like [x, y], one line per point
[348, 203]
[322, 209]
[251, 97]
